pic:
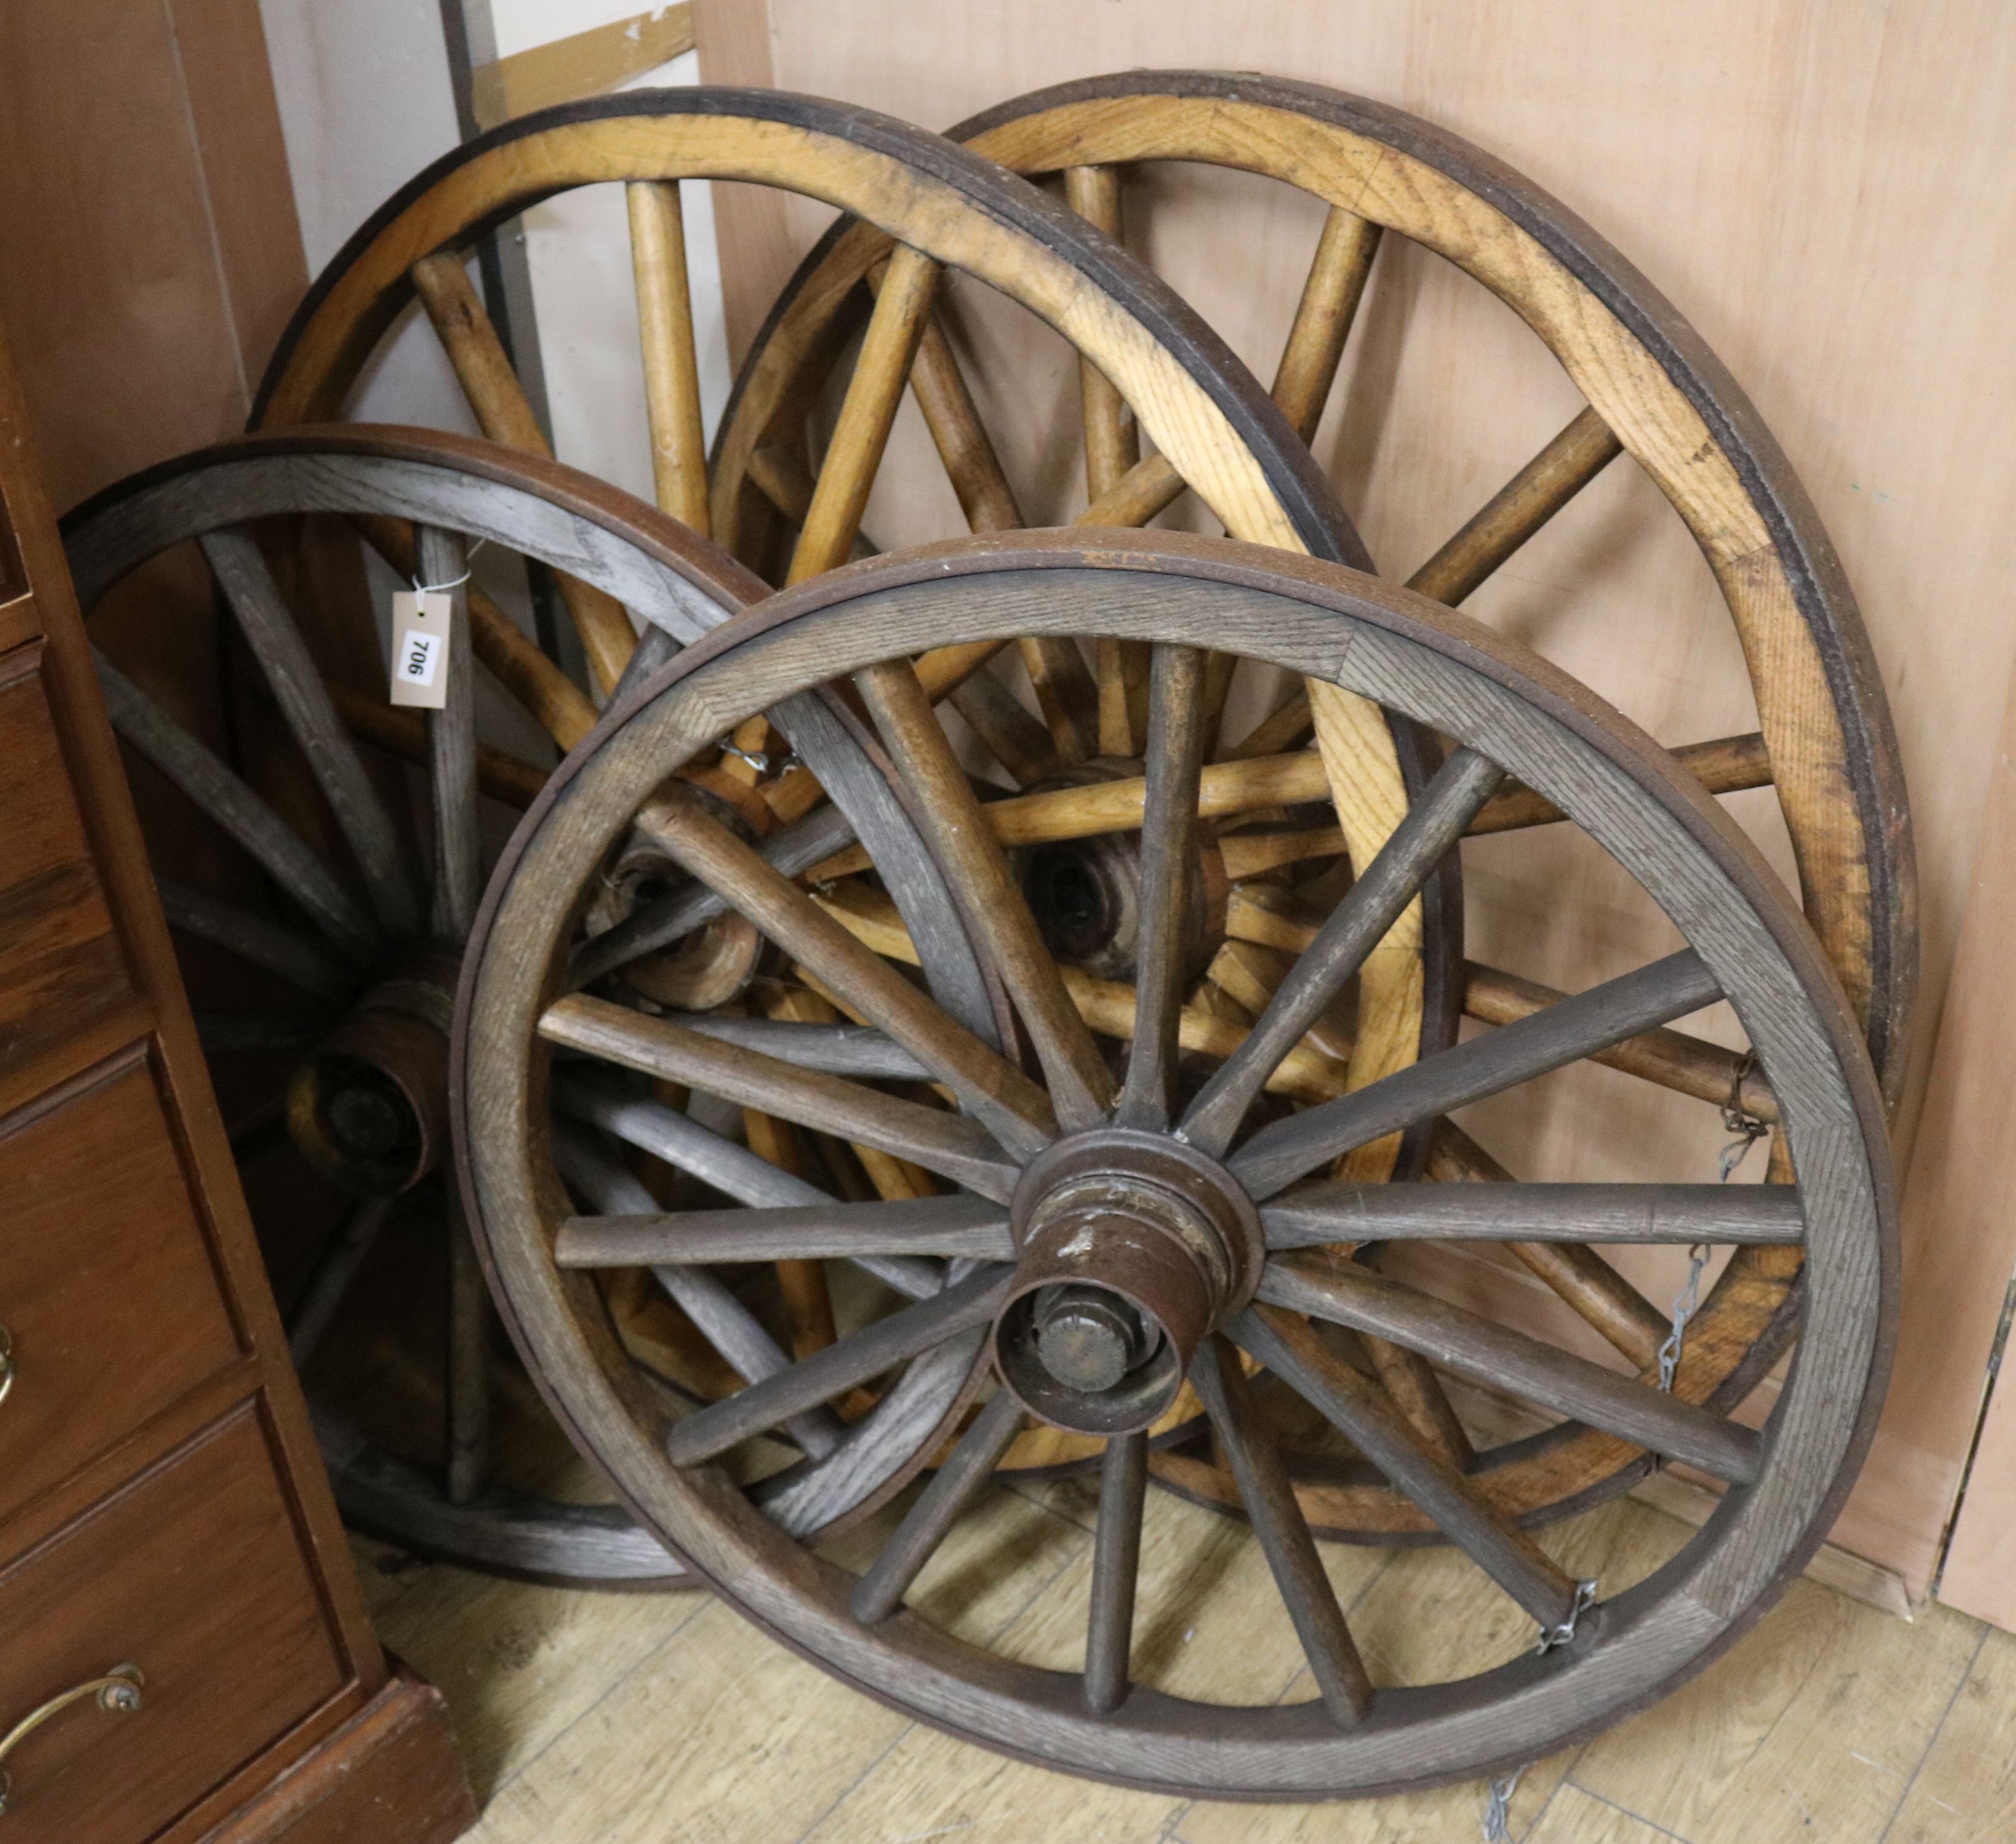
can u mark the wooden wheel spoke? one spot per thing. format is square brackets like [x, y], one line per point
[1151, 485]
[560, 706]
[499, 776]
[960, 437]
[1112, 441]
[1518, 509]
[316, 1309]
[1672, 1059]
[1118, 806]
[954, 1226]
[452, 741]
[1432, 825]
[671, 366]
[1728, 765]
[1489, 1353]
[1331, 294]
[858, 1050]
[1022, 746]
[790, 851]
[1283, 1532]
[299, 959]
[1584, 1281]
[1116, 1563]
[991, 1088]
[1112, 447]
[1366, 1416]
[928, 1522]
[592, 1171]
[1169, 879]
[950, 1144]
[242, 813]
[818, 1379]
[866, 414]
[953, 823]
[1278, 1155]
[469, 1321]
[296, 683]
[1316, 1215]
[504, 414]
[682, 1142]
[1413, 1387]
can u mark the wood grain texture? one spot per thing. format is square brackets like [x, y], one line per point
[216, 1521]
[104, 1306]
[1745, 133]
[1401, 650]
[253, 1743]
[63, 967]
[581, 64]
[672, 368]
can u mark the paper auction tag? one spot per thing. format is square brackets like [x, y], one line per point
[419, 649]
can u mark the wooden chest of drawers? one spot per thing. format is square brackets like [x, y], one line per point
[183, 1652]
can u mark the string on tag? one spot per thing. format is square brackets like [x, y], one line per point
[436, 588]
[1498, 1809]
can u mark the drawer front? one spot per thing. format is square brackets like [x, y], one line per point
[62, 969]
[194, 1574]
[108, 1293]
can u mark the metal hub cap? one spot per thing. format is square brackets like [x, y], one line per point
[1132, 1247]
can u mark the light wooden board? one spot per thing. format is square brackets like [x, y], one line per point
[590, 1717]
[1800, 1743]
[1960, 1238]
[581, 64]
[1966, 1785]
[1869, 341]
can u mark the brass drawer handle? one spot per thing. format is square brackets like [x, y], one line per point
[118, 1693]
[6, 1362]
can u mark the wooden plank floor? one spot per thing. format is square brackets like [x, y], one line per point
[621, 1718]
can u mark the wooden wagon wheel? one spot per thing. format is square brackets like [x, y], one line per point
[1653, 389]
[373, 953]
[1146, 357]
[1084, 1268]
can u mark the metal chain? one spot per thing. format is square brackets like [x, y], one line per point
[1686, 1304]
[760, 762]
[1736, 1119]
[1748, 1130]
[1551, 1636]
[1498, 1810]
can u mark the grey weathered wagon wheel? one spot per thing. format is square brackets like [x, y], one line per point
[1654, 393]
[372, 946]
[1083, 1267]
[1148, 358]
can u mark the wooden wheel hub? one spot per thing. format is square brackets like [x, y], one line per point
[1085, 894]
[1132, 1247]
[368, 1110]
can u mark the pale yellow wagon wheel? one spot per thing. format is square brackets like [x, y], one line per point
[934, 206]
[1654, 392]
